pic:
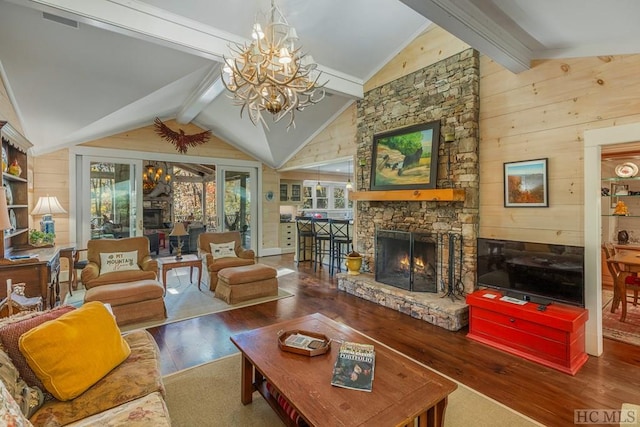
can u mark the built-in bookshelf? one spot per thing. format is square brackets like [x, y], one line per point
[15, 148]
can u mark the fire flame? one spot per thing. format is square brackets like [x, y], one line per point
[404, 262]
[418, 264]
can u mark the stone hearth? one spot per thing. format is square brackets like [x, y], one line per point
[430, 307]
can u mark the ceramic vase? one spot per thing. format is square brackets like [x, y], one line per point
[353, 264]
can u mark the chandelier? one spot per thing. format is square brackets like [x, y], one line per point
[271, 73]
[152, 175]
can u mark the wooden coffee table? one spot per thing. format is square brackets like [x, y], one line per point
[403, 390]
[169, 263]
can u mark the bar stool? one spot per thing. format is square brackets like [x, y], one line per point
[321, 239]
[341, 241]
[305, 238]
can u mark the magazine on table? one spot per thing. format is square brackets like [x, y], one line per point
[354, 366]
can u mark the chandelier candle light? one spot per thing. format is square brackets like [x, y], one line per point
[271, 73]
[152, 175]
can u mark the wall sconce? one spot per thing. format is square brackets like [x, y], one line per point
[362, 163]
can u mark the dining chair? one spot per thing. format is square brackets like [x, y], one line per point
[624, 281]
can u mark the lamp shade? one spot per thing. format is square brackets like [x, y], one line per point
[5, 223]
[48, 205]
[179, 230]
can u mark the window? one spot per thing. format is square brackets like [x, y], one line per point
[194, 196]
[339, 199]
[187, 199]
[330, 195]
[321, 199]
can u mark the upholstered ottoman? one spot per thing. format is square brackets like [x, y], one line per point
[131, 302]
[237, 284]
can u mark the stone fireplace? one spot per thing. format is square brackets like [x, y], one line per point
[447, 91]
[406, 260]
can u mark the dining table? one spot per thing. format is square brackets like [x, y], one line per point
[628, 262]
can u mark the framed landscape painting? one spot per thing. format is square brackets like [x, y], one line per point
[526, 184]
[406, 158]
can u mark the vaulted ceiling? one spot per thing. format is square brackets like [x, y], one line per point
[77, 70]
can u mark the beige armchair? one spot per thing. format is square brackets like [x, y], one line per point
[212, 266]
[147, 267]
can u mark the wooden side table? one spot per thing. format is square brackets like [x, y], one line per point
[169, 263]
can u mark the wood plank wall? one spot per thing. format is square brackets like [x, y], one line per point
[337, 140]
[543, 112]
[51, 178]
[433, 45]
[145, 139]
[7, 112]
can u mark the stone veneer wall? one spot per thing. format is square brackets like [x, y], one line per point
[447, 91]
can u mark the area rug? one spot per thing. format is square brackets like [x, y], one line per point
[627, 331]
[209, 395]
[185, 301]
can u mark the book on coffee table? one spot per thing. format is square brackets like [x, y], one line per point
[354, 366]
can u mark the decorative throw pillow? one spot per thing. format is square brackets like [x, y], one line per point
[73, 352]
[223, 250]
[10, 413]
[118, 261]
[8, 373]
[10, 333]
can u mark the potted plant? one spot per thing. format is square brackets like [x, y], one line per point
[40, 238]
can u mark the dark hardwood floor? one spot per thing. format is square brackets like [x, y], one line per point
[543, 394]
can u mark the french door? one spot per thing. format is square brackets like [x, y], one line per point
[238, 211]
[109, 199]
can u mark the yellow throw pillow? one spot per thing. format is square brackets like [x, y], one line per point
[118, 261]
[223, 250]
[74, 351]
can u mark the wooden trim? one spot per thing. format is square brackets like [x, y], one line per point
[437, 195]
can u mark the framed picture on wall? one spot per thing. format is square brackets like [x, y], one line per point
[406, 158]
[526, 184]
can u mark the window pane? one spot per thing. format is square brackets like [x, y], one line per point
[322, 202]
[187, 196]
[307, 201]
[338, 198]
[210, 196]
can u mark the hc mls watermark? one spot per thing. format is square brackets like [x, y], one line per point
[605, 416]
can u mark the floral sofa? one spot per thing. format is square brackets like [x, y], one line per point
[132, 392]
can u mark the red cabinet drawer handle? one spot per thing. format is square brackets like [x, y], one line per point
[512, 320]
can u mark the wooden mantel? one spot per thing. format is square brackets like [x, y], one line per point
[435, 195]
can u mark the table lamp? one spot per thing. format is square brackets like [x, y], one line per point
[178, 231]
[47, 206]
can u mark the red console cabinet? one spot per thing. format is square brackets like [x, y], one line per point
[553, 337]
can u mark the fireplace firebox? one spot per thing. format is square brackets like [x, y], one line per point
[406, 260]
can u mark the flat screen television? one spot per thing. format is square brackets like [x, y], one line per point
[537, 272]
